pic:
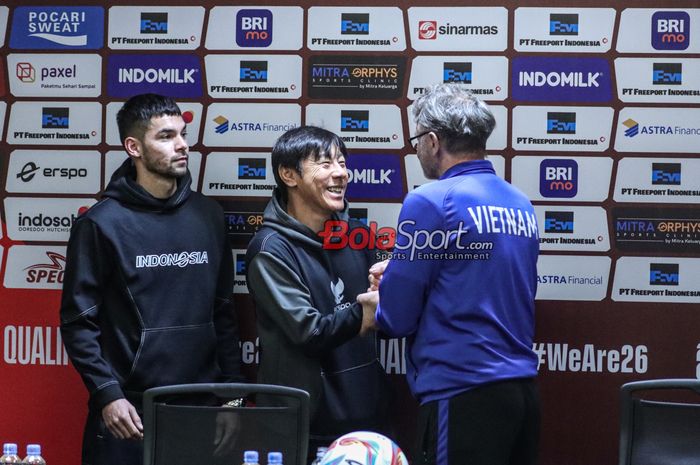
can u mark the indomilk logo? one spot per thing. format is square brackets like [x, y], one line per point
[254, 28]
[663, 274]
[359, 214]
[457, 72]
[253, 71]
[558, 79]
[632, 127]
[563, 24]
[670, 30]
[154, 23]
[561, 123]
[180, 259]
[354, 121]
[666, 174]
[159, 75]
[54, 118]
[559, 222]
[252, 168]
[354, 23]
[669, 74]
[558, 178]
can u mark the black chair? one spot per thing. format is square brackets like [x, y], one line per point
[654, 432]
[184, 424]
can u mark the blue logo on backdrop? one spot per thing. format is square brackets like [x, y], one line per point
[240, 263]
[354, 23]
[252, 168]
[553, 79]
[359, 214]
[559, 222]
[154, 23]
[669, 74]
[55, 118]
[354, 121]
[457, 72]
[563, 25]
[666, 174]
[558, 178]
[670, 30]
[374, 176]
[253, 71]
[254, 28]
[57, 27]
[178, 76]
[561, 123]
[664, 274]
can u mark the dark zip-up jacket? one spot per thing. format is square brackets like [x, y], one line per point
[308, 320]
[146, 292]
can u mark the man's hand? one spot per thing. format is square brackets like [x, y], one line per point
[375, 274]
[369, 301]
[121, 420]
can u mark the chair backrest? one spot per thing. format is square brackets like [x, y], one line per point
[186, 424]
[654, 432]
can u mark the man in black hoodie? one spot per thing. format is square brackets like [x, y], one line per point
[308, 319]
[147, 282]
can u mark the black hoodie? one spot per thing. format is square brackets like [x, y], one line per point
[145, 292]
[308, 320]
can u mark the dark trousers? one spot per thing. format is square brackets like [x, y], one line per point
[100, 447]
[495, 424]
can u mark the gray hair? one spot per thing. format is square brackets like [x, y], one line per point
[462, 122]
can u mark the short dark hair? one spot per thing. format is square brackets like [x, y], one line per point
[298, 144]
[136, 113]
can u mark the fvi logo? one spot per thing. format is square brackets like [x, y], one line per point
[254, 28]
[664, 274]
[561, 123]
[670, 30]
[359, 214]
[253, 71]
[669, 74]
[252, 168]
[240, 264]
[354, 121]
[559, 222]
[457, 72]
[666, 174]
[154, 23]
[563, 24]
[354, 23]
[558, 178]
[54, 118]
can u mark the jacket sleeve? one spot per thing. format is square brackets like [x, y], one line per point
[87, 270]
[283, 297]
[226, 322]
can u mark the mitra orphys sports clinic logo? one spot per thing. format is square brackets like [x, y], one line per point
[670, 30]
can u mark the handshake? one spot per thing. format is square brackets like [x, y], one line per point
[370, 299]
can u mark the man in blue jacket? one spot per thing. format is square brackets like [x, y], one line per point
[461, 287]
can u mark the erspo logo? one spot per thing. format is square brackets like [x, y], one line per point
[374, 176]
[670, 30]
[552, 79]
[57, 28]
[254, 28]
[175, 75]
[558, 178]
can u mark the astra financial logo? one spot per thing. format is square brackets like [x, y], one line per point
[670, 30]
[25, 72]
[253, 71]
[457, 72]
[354, 23]
[563, 24]
[559, 222]
[221, 124]
[154, 23]
[667, 174]
[254, 28]
[559, 79]
[354, 121]
[558, 178]
[664, 274]
[55, 118]
[632, 127]
[252, 168]
[561, 123]
[669, 74]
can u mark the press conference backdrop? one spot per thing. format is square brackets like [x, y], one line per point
[598, 112]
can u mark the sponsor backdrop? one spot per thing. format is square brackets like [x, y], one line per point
[598, 112]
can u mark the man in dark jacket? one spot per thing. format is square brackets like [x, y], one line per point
[147, 282]
[307, 315]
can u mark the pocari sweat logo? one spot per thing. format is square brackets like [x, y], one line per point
[176, 75]
[670, 30]
[374, 176]
[554, 79]
[254, 28]
[57, 27]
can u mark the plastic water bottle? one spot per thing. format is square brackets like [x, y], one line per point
[250, 457]
[33, 455]
[320, 452]
[9, 453]
[274, 458]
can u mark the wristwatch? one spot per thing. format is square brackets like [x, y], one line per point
[237, 402]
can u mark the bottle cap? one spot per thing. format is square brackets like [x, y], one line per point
[9, 448]
[274, 457]
[250, 456]
[33, 449]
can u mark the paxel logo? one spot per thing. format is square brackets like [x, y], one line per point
[240, 264]
[670, 30]
[252, 168]
[253, 71]
[254, 28]
[559, 222]
[561, 123]
[632, 127]
[354, 121]
[25, 72]
[669, 74]
[457, 72]
[558, 178]
[563, 24]
[354, 23]
[359, 214]
[427, 30]
[154, 23]
[667, 174]
[54, 118]
[664, 274]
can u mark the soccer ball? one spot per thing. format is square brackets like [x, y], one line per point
[364, 448]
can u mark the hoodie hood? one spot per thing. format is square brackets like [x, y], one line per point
[124, 188]
[277, 218]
